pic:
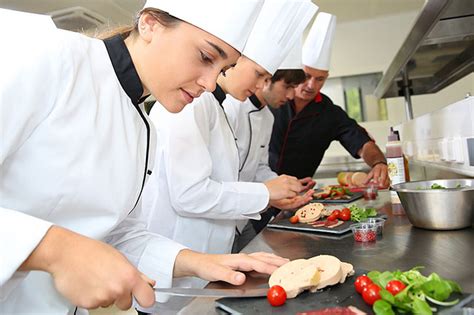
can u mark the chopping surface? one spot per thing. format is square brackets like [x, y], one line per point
[402, 246]
[342, 294]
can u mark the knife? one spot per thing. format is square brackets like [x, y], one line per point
[215, 293]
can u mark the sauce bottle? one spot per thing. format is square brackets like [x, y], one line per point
[396, 168]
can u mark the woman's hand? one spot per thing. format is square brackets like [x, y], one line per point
[89, 273]
[307, 182]
[228, 268]
[293, 203]
[283, 186]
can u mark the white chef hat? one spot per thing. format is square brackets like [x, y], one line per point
[318, 44]
[229, 20]
[293, 60]
[279, 25]
[25, 21]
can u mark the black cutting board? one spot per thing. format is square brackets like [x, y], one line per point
[285, 224]
[355, 196]
[338, 295]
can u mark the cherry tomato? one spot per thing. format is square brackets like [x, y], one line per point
[346, 211]
[276, 295]
[332, 217]
[294, 219]
[345, 216]
[370, 294]
[395, 286]
[336, 212]
[361, 282]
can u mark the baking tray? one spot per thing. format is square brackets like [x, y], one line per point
[285, 224]
[355, 196]
[342, 294]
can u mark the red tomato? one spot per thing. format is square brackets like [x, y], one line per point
[361, 282]
[276, 295]
[294, 219]
[345, 216]
[395, 287]
[370, 294]
[332, 217]
[336, 212]
[346, 211]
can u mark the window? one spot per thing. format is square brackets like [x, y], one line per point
[355, 95]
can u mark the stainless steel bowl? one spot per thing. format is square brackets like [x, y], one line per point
[438, 209]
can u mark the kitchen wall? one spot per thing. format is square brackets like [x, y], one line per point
[367, 46]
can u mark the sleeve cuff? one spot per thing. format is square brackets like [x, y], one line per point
[25, 232]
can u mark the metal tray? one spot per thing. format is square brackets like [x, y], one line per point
[355, 196]
[285, 224]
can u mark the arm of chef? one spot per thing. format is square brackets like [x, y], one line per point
[264, 172]
[193, 191]
[25, 101]
[19, 236]
[153, 254]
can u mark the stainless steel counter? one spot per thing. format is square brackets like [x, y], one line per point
[402, 246]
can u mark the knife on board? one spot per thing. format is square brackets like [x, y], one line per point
[215, 293]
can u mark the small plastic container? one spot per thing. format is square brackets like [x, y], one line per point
[370, 193]
[377, 221]
[364, 232]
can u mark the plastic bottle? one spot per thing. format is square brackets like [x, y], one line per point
[396, 168]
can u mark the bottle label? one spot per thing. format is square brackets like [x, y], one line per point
[396, 170]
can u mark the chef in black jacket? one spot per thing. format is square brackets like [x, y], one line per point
[305, 127]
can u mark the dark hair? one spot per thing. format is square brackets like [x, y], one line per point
[293, 76]
[164, 18]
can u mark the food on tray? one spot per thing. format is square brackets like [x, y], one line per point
[316, 215]
[345, 178]
[360, 213]
[330, 268]
[310, 274]
[296, 276]
[405, 291]
[276, 295]
[309, 213]
[358, 179]
[333, 192]
[350, 310]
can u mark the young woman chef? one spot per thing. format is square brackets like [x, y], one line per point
[252, 122]
[77, 147]
[194, 195]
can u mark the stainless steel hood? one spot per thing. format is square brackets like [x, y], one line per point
[438, 51]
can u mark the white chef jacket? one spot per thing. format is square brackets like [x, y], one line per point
[75, 150]
[252, 124]
[194, 196]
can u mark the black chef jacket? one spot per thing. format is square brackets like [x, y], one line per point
[299, 141]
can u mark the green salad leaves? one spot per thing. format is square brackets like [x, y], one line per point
[418, 292]
[360, 213]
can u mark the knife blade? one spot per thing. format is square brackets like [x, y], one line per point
[216, 293]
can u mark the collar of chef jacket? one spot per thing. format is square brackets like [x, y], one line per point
[124, 68]
[318, 98]
[255, 101]
[219, 94]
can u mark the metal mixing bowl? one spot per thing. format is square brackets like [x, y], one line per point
[438, 209]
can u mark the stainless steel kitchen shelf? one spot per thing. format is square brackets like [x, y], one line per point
[438, 51]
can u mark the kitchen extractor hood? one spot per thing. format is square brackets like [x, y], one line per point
[438, 51]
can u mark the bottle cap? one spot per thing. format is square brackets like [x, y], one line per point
[394, 135]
